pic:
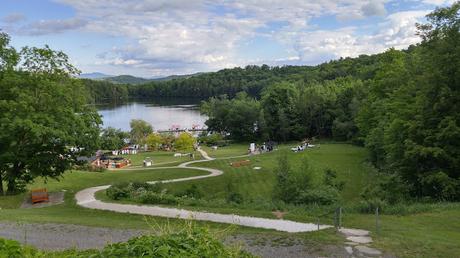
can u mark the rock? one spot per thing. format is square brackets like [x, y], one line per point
[349, 250]
[354, 232]
[367, 251]
[360, 239]
[351, 243]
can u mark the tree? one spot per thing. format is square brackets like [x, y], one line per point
[184, 142]
[9, 57]
[411, 119]
[279, 108]
[154, 140]
[113, 139]
[139, 130]
[238, 116]
[43, 113]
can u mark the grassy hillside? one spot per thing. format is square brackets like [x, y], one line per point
[349, 161]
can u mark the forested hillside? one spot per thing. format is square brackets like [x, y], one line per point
[251, 79]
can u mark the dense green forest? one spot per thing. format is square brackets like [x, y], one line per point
[252, 79]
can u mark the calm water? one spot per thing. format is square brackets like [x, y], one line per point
[161, 114]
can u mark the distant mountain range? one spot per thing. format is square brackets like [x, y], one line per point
[94, 76]
[129, 79]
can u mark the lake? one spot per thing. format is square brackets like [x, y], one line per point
[162, 114]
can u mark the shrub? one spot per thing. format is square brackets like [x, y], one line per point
[330, 179]
[369, 205]
[13, 249]
[234, 197]
[193, 191]
[213, 139]
[190, 242]
[117, 192]
[324, 195]
[89, 167]
[158, 198]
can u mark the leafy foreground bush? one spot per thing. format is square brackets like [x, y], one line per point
[191, 241]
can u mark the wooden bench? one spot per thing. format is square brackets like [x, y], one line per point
[240, 163]
[39, 195]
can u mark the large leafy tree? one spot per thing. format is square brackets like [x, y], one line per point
[239, 116]
[281, 112]
[140, 129]
[43, 113]
[184, 142]
[113, 139]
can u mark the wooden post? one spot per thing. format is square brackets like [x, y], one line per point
[336, 219]
[377, 220]
[340, 217]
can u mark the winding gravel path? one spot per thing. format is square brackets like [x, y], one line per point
[86, 198]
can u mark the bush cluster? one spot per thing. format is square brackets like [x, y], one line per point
[298, 185]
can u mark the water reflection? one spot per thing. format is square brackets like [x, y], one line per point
[161, 114]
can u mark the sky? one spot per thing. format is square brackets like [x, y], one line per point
[153, 38]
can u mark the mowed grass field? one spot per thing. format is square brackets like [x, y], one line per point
[232, 150]
[349, 162]
[159, 157]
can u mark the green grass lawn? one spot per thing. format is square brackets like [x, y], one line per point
[349, 162]
[431, 234]
[158, 157]
[231, 150]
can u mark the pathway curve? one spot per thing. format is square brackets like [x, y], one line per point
[86, 198]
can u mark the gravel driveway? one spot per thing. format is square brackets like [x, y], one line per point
[52, 236]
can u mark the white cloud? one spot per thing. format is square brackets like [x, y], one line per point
[44, 27]
[397, 31]
[184, 35]
[438, 2]
[374, 8]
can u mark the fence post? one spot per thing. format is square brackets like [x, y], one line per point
[340, 217]
[336, 224]
[318, 223]
[377, 220]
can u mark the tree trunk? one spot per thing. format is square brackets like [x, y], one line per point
[1, 184]
[11, 180]
[11, 186]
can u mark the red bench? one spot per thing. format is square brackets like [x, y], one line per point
[240, 163]
[39, 195]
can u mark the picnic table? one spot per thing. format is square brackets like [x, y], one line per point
[240, 163]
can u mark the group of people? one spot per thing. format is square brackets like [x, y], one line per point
[257, 149]
[303, 146]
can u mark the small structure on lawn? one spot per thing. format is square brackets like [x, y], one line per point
[148, 162]
[113, 162]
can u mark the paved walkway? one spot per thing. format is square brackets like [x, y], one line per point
[86, 198]
[358, 243]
